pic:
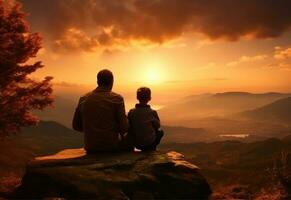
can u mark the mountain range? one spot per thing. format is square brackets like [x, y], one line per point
[278, 111]
[207, 107]
[216, 105]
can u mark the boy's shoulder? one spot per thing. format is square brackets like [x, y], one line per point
[131, 111]
[137, 109]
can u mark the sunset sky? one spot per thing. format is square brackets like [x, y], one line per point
[177, 47]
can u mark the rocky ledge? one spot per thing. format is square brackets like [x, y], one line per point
[72, 174]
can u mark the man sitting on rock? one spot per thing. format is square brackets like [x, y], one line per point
[100, 114]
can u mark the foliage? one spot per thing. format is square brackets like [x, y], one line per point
[281, 172]
[19, 93]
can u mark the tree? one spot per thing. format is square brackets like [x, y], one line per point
[19, 93]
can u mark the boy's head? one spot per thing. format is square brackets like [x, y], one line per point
[143, 94]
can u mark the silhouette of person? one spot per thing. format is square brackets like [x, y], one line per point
[100, 114]
[145, 126]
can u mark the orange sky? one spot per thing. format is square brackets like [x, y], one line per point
[182, 52]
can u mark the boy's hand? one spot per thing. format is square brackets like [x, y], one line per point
[122, 135]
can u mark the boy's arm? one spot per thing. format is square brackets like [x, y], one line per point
[156, 120]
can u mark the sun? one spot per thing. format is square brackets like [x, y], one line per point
[153, 73]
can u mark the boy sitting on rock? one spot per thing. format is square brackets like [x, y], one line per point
[144, 123]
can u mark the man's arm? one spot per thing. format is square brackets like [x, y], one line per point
[77, 119]
[122, 121]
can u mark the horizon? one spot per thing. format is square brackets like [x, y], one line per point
[159, 100]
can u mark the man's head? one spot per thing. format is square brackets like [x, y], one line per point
[105, 78]
[143, 94]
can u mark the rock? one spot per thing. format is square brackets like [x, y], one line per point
[131, 175]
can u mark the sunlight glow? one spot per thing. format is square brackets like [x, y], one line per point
[153, 73]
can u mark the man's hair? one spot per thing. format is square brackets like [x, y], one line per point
[105, 78]
[143, 94]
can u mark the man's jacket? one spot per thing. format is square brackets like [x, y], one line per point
[100, 114]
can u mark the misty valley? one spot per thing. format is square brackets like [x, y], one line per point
[208, 117]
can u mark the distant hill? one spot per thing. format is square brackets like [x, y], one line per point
[220, 104]
[16, 151]
[62, 111]
[278, 111]
[49, 137]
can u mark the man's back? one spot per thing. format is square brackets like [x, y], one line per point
[103, 119]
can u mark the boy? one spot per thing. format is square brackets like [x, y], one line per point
[144, 122]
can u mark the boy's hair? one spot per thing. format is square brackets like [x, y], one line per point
[143, 94]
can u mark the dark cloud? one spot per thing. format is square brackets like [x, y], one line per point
[110, 22]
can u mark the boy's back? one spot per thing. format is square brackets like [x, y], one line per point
[144, 122]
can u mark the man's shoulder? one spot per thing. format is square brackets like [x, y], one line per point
[116, 95]
[83, 97]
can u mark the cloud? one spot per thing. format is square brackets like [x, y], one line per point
[282, 53]
[244, 59]
[111, 22]
[66, 84]
[284, 66]
[74, 40]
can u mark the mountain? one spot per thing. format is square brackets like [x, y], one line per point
[49, 137]
[62, 111]
[278, 111]
[220, 104]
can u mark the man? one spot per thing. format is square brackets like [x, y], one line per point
[100, 114]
